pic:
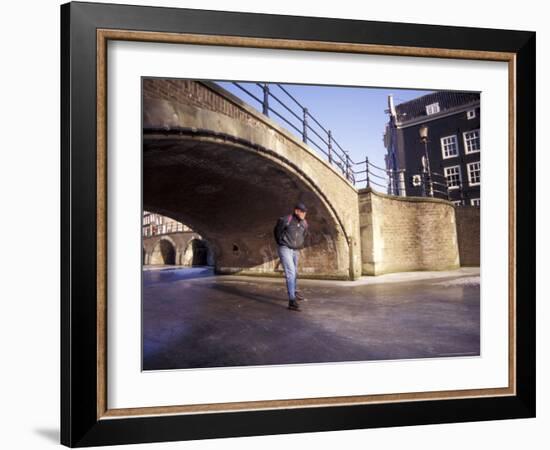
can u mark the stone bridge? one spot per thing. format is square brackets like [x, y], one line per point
[226, 170]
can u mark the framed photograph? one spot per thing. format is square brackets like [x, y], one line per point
[277, 224]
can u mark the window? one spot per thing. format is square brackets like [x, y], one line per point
[474, 173]
[432, 109]
[449, 146]
[471, 141]
[475, 202]
[471, 114]
[457, 202]
[453, 176]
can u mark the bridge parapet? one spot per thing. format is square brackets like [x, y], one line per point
[401, 234]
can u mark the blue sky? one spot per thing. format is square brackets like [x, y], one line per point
[355, 115]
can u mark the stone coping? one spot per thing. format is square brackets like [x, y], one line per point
[406, 199]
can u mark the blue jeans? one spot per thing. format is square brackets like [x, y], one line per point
[289, 260]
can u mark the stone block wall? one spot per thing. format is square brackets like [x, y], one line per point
[406, 233]
[467, 230]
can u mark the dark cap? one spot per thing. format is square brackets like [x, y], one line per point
[301, 206]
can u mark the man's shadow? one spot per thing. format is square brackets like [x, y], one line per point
[265, 299]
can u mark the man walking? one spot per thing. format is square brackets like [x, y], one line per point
[290, 234]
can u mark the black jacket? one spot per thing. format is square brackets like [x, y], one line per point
[291, 232]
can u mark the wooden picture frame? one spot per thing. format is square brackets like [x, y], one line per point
[86, 419]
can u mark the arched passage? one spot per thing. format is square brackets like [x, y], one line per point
[164, 253]
[232, 195]
[197, 252]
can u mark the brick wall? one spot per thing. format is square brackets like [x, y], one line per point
[406, 234]
[193, 93]
[467, 229]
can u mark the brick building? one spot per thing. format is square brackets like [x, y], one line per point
[452, 168]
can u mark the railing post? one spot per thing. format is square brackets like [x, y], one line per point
[266, 100]
[329, 146]
[367, 170]
[428, 172]
[429, 185]
[448, 190]
[304, 126]
[424, 182]
[402, 191]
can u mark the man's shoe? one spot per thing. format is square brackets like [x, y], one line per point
[299, 296]
[293, 305]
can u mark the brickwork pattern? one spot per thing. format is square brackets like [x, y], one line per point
[406, 234]
[467, 228]
[196, 94]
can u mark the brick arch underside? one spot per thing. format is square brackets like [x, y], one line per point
[232, 195]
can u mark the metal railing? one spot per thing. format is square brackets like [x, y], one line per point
[392, 181]
[155, 229]
[437, 185]
[300, 119]
[275, 99]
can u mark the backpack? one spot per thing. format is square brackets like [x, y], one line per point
[289, 218]
[287, 223]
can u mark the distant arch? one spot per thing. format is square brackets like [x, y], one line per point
[164, 252]
[197, 252]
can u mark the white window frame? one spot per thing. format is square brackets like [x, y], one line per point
[471, 114]
[474, 200]
[432, 108]
[455, 138]
[446, 169]
[469, 152]
[457, 202]
[470, 173]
